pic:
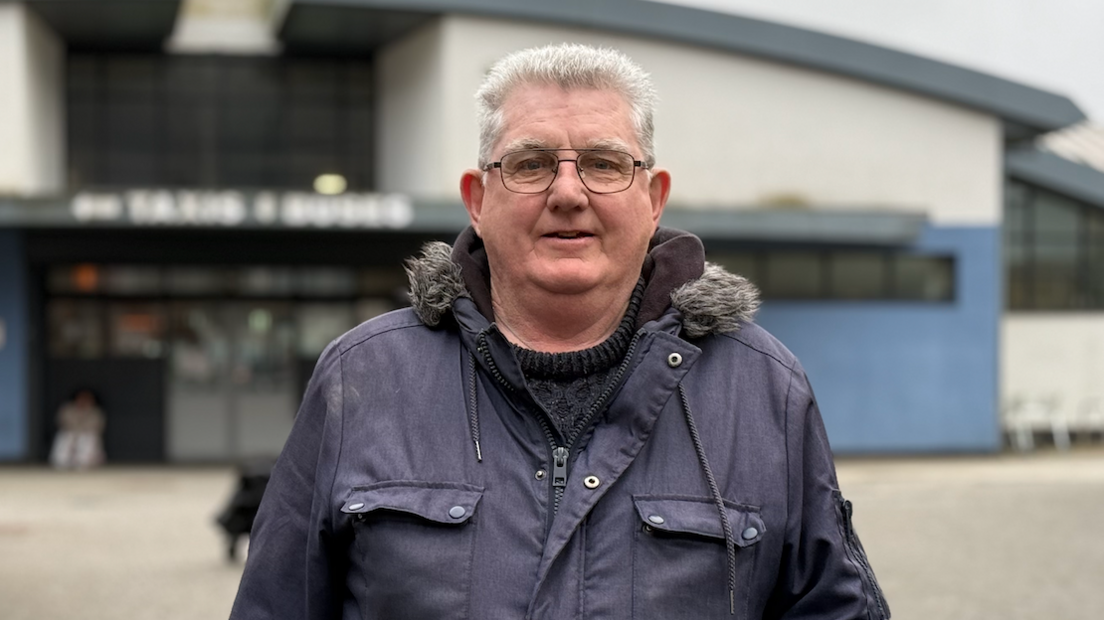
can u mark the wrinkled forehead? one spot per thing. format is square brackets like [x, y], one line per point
[527, 142]
[549, 116]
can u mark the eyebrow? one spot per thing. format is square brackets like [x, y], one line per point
[609, 144]
[521, 144]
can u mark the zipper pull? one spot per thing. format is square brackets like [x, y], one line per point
[848, 509]
[559, 467]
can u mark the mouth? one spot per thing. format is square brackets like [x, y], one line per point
[568, 234]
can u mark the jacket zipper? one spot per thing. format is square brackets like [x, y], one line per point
[561, 453]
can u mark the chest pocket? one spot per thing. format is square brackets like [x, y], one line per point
[680, 563]
[414, 544]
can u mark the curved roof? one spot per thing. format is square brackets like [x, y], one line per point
[1049, 171]
[1027, 111]
[359, 26]
[1082, 143]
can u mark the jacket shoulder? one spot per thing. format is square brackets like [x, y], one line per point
[401, 319]
[762, 342]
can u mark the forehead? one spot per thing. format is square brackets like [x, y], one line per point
[550, 116]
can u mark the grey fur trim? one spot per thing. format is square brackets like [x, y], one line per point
[435, 282]
[717, 302]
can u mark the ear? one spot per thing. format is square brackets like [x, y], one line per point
[659, 188]
[471, 192]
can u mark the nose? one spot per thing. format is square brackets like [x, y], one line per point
[567, 190]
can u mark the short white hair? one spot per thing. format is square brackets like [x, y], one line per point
[569, 66]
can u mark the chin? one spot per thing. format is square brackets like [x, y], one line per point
[569, 282]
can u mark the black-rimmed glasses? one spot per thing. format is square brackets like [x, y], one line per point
[532, 171]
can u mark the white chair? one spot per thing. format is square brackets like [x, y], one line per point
[1090, 417]
[1023, 417]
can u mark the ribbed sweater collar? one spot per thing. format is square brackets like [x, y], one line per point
[575, 364]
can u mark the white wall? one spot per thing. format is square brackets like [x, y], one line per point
[411, 116]
[735, 131]
[32, 113]
[1046, 355]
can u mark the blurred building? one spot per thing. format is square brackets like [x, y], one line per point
[196, 196]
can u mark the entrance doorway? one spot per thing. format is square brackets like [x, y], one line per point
[231, 390]
[198, 363]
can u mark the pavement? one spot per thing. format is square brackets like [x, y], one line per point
[1008, 537]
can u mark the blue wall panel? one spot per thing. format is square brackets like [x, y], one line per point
[907, 377]
[13, 353]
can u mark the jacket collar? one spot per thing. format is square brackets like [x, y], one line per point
[710, 299]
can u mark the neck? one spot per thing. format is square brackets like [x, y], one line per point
[556, 323]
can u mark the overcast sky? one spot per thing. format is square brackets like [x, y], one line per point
[1056, 45]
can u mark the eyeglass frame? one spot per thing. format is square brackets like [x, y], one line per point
[637, 163]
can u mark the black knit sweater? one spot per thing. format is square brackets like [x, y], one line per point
[569, 384]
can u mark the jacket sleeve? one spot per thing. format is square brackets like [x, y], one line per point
[296, 566]
[824, 574]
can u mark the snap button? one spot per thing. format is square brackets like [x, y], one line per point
[750, 533]
[674, 360]
[458, 511]
[356, 506]
[649, 529]
[591, 482]
[540, 474]
[658, 520]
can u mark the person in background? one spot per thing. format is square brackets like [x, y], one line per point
[576, 419]
[79, 440]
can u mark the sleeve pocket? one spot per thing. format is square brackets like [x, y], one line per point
[876, 603]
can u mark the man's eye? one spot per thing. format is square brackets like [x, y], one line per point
[534, 164]
[598, 163]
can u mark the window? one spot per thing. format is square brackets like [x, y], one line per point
[1053, 251]
[857, 275]
[793, 275]
[136, 330]
[76, 328]
[208, 281]
[141, 120]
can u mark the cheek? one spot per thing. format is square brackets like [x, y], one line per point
[504, 232]
[636, 225]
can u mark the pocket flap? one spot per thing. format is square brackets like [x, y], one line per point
[698, 515]
[442, 502]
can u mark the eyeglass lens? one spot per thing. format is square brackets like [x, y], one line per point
[534, 171]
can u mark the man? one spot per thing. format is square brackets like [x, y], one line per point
[577, 419]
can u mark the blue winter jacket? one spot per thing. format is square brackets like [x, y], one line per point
[423, 481]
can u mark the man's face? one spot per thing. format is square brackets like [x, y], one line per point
[566, 240]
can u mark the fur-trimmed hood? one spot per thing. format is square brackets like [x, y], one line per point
[710, 299]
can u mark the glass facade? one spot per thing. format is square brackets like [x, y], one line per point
[1053, 251]
[217, 121]
[838, 274]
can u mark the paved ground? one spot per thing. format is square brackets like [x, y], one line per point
[1007, 538]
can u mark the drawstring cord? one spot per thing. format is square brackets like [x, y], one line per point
[473, 407]
[714, 490]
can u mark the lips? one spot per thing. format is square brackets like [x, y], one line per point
[568, 234]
